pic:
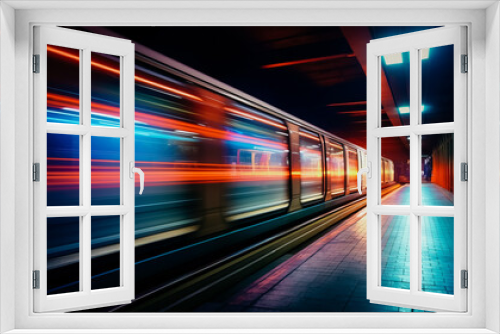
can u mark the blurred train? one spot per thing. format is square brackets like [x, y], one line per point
[223, 169]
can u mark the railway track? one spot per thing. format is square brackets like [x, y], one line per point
[185, 293]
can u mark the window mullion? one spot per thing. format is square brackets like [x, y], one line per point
[414, 172]
[86, 161]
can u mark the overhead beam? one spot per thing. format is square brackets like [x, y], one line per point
[309, 60]
[353, 112]
[358, 38]
[347, 104]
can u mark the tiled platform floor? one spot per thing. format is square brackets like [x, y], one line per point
[329, 275]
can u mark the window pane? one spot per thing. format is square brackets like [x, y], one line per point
[336, 169]
[105, 90]
[437, 170]
[395, 89]
[395, 166]
[63, 85]
[437, 254]
[63, 255]
[395, 247]
[63, 170]
[105, 171]
[257, 157]
[311, 166]
[353, 170]
[437, 84]
[105, 234]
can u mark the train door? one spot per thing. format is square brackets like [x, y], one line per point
[83, 169]
[363, 163]
[424, 271]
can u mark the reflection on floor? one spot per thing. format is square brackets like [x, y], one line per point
[329, 275]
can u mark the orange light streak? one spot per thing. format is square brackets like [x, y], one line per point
[305, 134]
[167, 123]
[64, 177]
[67, 177]
[256, 118]
[116, 71]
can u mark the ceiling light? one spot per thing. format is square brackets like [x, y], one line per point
[395, 58]
[404, 110]
[425, 53]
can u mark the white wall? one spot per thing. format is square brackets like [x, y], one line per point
[492, 169]
[7, 158]
[482, 107]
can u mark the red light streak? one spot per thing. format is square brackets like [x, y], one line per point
[61, 101]
[353, 112]
[173, 173]
[162, 173]
[116, 71]
[343, 104]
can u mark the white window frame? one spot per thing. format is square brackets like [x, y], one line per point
[483, 49]
[413, 43]
[86, 43]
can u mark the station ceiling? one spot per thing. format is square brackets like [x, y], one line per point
[315, 73]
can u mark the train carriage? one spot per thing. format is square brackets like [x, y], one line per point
[223, 169]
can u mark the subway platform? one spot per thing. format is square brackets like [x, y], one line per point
[329, 275]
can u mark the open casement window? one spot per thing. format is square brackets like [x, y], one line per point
[83, 170]
[428, 271]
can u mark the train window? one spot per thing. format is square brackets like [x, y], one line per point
[311, 166]
[364, 163]
[336, 170]
[257, 160]
[352, 156]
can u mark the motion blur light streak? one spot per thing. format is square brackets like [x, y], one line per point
[116, 71]
[171, 133]
[305, 134]
[241, 113]
[55, 101]
[222, 172]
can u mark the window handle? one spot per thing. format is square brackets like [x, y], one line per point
[368, 172]
[139, 171]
